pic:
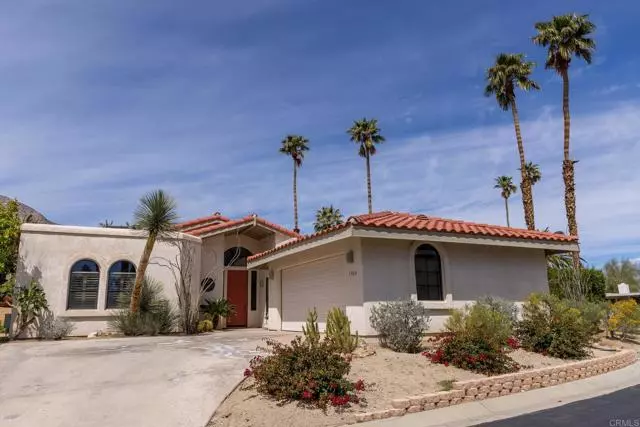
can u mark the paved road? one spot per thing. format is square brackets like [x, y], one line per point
[618, 409]
[137, 382]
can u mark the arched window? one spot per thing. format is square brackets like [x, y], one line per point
[122, 276]
[236, 257]
[428, 274]
[84, 281]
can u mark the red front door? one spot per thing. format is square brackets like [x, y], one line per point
[237, 295]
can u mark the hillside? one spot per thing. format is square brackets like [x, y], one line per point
[27, 212]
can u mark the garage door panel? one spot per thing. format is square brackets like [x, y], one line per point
[320, 284]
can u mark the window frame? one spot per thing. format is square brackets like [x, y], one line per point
[69, 290]
[107, 306]
[441, 289]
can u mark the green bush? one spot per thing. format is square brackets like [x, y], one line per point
[310, 330]
[401, 325]
[481, 322]
[507, 308]
[205, 326]
[155, 316]
[339, 331]
[550, 326]
[593, 313]
[465, 352]
[218, 308]
[312, 373]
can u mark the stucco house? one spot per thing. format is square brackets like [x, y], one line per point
[274, 275]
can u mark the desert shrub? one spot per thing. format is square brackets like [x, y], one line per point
[155, 315]
[339, 331]
[475, 355]
[593, 313]
[312, 373]
[53, 328]
[310, 330]
[550, 326]
[506, 307]
[401, 325]
[218, 308]
[567, 283]
[624, 318]
[205, 326]
[30, 303]
[481, 322]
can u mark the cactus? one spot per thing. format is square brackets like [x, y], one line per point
[311, 331]
[339, 331]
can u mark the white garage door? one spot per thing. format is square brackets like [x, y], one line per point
[320, 284]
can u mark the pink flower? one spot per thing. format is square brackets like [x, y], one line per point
[307, 395]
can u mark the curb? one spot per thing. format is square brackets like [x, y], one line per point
[502, 385]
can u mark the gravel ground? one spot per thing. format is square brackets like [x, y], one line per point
[388, 376]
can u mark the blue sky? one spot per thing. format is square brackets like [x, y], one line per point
[102, 101]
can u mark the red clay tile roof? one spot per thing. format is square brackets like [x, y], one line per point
[413, 222]
[227, 223]
[195, 223]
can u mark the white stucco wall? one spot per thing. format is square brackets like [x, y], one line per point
[469, 272]
[351, 288]
[47, 253]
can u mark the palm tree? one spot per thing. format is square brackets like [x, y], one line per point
[511, 70]
[507, 188]
[567, 36]
[295, 146]
[327, 217]
[532, 171]
[367, 134]
[156, 215]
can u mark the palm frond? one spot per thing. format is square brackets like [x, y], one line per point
[156, 213]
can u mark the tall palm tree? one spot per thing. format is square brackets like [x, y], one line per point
[327, 217]
[567, 36]
[294, 146]
[532, 171]
[511, 70]
[156, 215]
[507, 188]
[367, 134]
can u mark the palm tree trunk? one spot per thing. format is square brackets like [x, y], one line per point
[369, 183]
[506, 208]
[525, 184]
[140, 273]
[295, 197]
[568, 168]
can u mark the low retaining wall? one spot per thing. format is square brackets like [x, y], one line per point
[502, 385]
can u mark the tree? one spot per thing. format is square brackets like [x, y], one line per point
[509, 72]
[9, 237]
[621, 271]
[367, 134]
[327, 217]
[564, 37]
[294, 146]
[156, 215]
[507, 188]
[533, 172]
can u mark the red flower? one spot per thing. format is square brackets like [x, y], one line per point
[307, 395]
[446, 363]
[340, 400]
[247, 372]
[359, 385]
[513, 343]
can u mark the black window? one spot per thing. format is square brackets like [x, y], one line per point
[266, 298]
[122, 276]
[428, 274]
[236, 257]
[254, 290]
[84, 281]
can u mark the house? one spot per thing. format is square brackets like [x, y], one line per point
[274, 276]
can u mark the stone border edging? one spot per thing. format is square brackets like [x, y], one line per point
[502, 385]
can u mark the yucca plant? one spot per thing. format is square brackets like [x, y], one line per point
[311, 331]
[339, 331]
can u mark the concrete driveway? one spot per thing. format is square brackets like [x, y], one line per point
[146, 381]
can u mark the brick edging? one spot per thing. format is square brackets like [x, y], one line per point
[502, 385]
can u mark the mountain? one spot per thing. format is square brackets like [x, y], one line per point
[27, 213]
